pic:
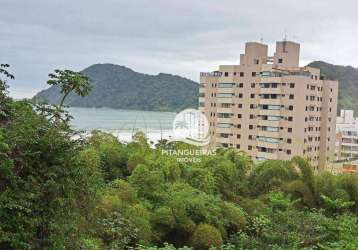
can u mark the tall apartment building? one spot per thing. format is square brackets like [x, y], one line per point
[269, 107]
[347, 136]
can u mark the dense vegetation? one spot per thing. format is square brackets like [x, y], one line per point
[59, 190]
[348, 83]
[120, 87]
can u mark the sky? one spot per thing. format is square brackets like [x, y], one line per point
[181, 37]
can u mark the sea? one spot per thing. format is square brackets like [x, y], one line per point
[124, 123]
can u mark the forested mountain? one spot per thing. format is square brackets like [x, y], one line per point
[348, 83]
[119, 87]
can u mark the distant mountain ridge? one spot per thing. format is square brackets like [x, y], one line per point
[348, 83]
[119, 87]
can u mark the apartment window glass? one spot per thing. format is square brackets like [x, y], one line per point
[291, 96]
[241, 74]
[252, 95]
[253, 74]
[280, 60]
[292, 85]
[289, 130]
[226, 74]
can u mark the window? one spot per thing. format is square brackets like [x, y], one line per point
[239, 106]
[252, 116]
[239, 116]
[250, 137]
[253, 85]
[253, 74]
[280, 60]
[292, 85]
[289, 130]
[238, 125]
[288, 151]
[241, 74]
[251, 126]
[249, 147]
[252, 95]
[240, 95]
[252, 106]
[226, 74]
[290, 118]
[241, 85]
[238, 146]
[289, 140]
[292, 96]
[290, 107]
[238, 136]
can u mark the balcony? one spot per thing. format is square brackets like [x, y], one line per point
[271, 79]
[201, 90]
[269, 123]
[268, 134]
[211, 74]
[226, 90]
[270, 101]
[272, 112]
[224, 110]
[270, 90]
[224, 130]
[224, 99]
[201, 99]
[268, 156]
[224, 140]
[224, 120]
[267, 144]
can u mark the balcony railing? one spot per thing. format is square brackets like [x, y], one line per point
[211, 74]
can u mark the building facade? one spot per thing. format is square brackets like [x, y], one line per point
[347, 136]
[269, 107]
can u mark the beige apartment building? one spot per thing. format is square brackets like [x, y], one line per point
[269, 107]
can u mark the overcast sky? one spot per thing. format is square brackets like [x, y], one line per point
[180, 37]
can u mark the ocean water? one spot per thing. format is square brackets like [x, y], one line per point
[124, 123]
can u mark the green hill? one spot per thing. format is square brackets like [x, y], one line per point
[348, 83]
[119, 87]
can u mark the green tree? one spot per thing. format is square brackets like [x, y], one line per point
[206, 236]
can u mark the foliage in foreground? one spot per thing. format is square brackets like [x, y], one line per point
[59, 192]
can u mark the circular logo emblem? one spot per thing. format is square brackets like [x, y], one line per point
[191, 126]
